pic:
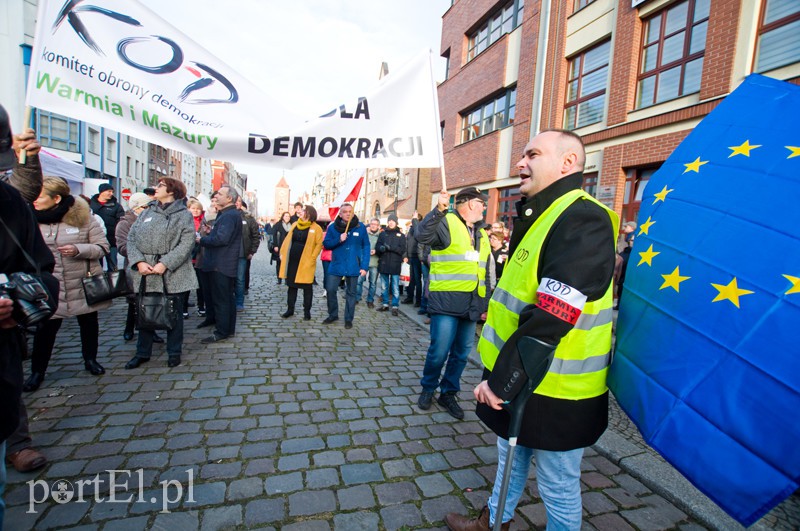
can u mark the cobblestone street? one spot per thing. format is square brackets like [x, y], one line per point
[292, 425]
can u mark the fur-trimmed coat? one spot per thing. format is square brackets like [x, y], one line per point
[78, 227]
[167, 233]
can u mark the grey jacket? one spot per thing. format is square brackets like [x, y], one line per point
[168, 234]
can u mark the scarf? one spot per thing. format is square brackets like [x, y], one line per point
[303, 224]
[342, 224]
[286, 226]
[57, 213]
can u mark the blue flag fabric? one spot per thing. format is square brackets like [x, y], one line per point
[707, 360]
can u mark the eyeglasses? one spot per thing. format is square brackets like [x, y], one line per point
[481, 201]
[159, 185]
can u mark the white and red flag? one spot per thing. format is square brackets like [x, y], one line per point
[349, 194]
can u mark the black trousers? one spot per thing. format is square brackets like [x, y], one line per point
[45, 338]
[308, 297]
[247, 276]
[224, 304]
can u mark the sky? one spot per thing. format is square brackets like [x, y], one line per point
[310, 55]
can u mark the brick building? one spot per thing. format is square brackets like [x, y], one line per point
[632, 77]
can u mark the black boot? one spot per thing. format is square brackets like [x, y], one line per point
[33, 382]
[93, 367]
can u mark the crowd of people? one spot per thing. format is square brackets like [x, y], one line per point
[453, 266]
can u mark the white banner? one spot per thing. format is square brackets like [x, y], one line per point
[117, 64]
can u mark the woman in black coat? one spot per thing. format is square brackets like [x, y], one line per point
[391, 251]
[279, 232]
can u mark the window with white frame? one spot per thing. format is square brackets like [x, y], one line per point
[94, 136]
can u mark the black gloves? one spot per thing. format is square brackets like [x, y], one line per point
[521, 366]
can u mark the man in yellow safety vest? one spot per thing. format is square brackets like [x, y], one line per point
[555, 295]
[460, 253]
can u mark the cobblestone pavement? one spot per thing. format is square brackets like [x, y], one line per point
[293, 425]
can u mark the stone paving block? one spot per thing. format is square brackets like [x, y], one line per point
[610, 522]
[223, 452]
[322, 478]
[221, 518]
[329, 458]
[308, 525]
[296, 432]
[623, 498]
[110, 511]
[174, 521]
[60, 516]
[98, 466]
[256, 467]
[98, 449]
[432, 462]
[227, 438]
[433, 485]
[148, 460]
[65, 469]
[595, 480]
[394, 493]
[631, 485]
[359, 454]
[264, 511]
[207, 494]
[129, 524]
[361, 473]
[388, 451]
[536, 513]
[360, 521]
[359, 497]
[399, 468]
[364, 425]
[435, 509]
[399, 516]
[413, 448]
[293, 446]
[309, 503]
[467, 479]
[221, 470]
[188, 457]
[113, 433]
[649, 519]
[392, 436]
[365, 438]
[293, 462]
[284, 483]
[245, 488]
[597, 503]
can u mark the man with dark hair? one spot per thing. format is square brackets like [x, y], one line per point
[223, 246]
[298, 212]
[553, 300]
[105, 205]
[17, 222]
[457, 294]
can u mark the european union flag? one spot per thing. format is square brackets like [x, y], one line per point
[707, 359]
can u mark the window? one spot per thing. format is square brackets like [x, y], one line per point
[93, 137]
[590, 183]
[58, 131]
[507, 205]
[580, 4]
[635, 183]
[502, 21]
[111, 149]
[128, 166]
[490, 116]
[586, 87]
[778, 35]
[672, 52]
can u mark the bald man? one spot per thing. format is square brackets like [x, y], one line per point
[554, 299]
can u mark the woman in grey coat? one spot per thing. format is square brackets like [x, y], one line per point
[160, 245]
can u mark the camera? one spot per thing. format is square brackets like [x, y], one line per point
[29, 295]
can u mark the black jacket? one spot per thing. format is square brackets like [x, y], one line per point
[250, 237]
[278, 235]
[580, 252]
[111, 212]
[391, 249]
[223, 246]
[18, 217]
[411, 240]
[433, 230]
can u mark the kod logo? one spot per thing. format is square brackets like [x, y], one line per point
[62, 491]
[205, 77]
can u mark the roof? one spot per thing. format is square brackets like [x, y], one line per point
[282, 183]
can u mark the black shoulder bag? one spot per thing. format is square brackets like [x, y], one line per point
[156, 310]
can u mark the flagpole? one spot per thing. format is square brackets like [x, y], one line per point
[23, 154]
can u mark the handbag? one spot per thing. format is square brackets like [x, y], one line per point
[105, 286]
[405, 274]
[156, 310]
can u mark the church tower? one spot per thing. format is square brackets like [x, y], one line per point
[282, 191]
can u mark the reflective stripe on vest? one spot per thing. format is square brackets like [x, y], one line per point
[450, 268]
[584, 354]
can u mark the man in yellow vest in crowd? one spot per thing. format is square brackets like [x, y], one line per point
[555, 294]
[460, 253]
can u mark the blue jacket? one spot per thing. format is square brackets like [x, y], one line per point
[224, 244]
[350, 257]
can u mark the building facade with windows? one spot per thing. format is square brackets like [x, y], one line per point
[632, 77]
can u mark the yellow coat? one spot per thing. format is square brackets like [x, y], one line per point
[308, 260]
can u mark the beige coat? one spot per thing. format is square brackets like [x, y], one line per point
[78, 228]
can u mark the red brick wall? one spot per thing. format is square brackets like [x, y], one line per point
[723, 30]
[555, 85]
[625, 63]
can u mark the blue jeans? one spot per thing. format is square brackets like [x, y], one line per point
[558, 476]
[452, 339]
[391, 282]
[2, 482]
[332, 289]
[372, 278]
[241, 271]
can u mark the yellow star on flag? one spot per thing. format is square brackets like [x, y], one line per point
[695, 166]
[795, 284]
[673, 280]
[743, 149]
[647, 256]
[644, 227]
[795, 151]
[731, 292]
[662, 195]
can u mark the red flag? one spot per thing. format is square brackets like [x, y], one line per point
[349, 195]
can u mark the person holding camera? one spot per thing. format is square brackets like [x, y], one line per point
[22, 250]
[76, 240]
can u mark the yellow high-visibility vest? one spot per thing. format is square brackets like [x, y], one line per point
[582, 357]
[459, 267]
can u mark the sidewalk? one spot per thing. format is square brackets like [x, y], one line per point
[293, 425]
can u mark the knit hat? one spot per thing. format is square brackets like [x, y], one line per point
[138, 200]
[7, 157]
[103, 187]
[392, 217]
[149, 191]
[470, 193]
